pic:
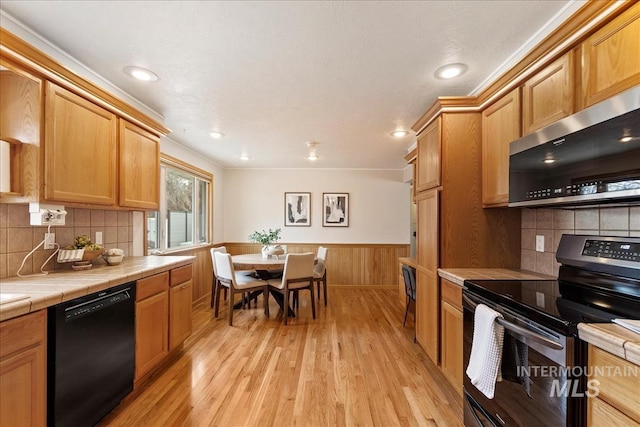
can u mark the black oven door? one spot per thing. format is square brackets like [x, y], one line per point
[536, 388]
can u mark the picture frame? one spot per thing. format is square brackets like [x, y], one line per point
[335, 209]
[297, 209]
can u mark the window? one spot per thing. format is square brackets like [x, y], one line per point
[184, 217]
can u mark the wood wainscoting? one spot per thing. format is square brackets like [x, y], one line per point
[364, 265]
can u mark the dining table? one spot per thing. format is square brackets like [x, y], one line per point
[264, 268]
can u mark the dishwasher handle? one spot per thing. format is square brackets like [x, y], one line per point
[96, 304]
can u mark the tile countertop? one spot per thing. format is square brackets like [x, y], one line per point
[612, 338]
[459, 275]
[63, 285]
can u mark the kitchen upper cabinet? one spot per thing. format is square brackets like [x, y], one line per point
[548, 95]
[80, 149]
[152, 326]
[20, 134]
[139, 154]
[451, 333]
[23, 370]
[611, 58]
[500, 126]
[427, 301]
[180, 298]
[428, 162]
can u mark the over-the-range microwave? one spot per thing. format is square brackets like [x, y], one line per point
[589, 158]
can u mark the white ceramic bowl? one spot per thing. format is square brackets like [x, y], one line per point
[114, 259]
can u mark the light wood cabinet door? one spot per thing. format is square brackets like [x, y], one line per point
[152, 332]
[451, 345]
[427, 299]
[20, 116]
[23, 370]
[500, 126]
[139, 166]
[616, 385]
[180, 323]
[428, 159]
[548, 95]
[80, 149]
[611, 58]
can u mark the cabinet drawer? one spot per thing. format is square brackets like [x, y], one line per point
[152, 285]
[619, 381]
[601, 414]
[22, 332]
[451, 293]
[181, 275]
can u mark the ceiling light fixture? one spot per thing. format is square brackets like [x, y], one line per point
[450, 71]
[244, 157]
[216, 135]
[313, 156]
[141, 74]
[399, 133]
[625, 139]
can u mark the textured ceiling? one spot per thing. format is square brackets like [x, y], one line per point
[273, 75]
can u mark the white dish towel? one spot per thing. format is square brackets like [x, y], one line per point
[486, 350]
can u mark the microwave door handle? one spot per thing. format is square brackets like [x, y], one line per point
[520, 330]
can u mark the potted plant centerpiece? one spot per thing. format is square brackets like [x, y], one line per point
[267, 238]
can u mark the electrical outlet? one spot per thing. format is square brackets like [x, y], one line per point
[49, 240]
[539, 243]
[98, 237]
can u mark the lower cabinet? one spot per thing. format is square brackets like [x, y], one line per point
[180, 297]
[451, 333]
[152, 326]
[163, 316]
[616, 381]
[23, 370]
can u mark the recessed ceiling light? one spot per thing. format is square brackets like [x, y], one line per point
[244, 157]
[313, 156]
[215, 134]
[141, 74]
[450, 71]
[399, 133]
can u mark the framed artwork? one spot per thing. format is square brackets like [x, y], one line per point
[297, 209]
[335, 209]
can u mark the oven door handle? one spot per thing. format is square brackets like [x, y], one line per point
[520, 330]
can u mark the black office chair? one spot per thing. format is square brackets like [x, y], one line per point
[409, 274]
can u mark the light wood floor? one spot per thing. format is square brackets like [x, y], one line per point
[354, 365]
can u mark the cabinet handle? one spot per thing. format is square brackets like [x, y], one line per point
[185, 286]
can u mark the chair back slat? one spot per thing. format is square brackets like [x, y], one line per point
[322, 261]
[224, 266]
[298, 266]
[221, 249]
[409, 274]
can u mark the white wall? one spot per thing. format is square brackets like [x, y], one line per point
[173, 149]
[378, 203]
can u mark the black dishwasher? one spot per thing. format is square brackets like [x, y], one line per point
[91, 356]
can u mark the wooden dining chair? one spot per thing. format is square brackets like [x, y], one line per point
[238, 283]
[320, 272]
[296, 276]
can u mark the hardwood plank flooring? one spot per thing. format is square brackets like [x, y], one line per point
[353, 365]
